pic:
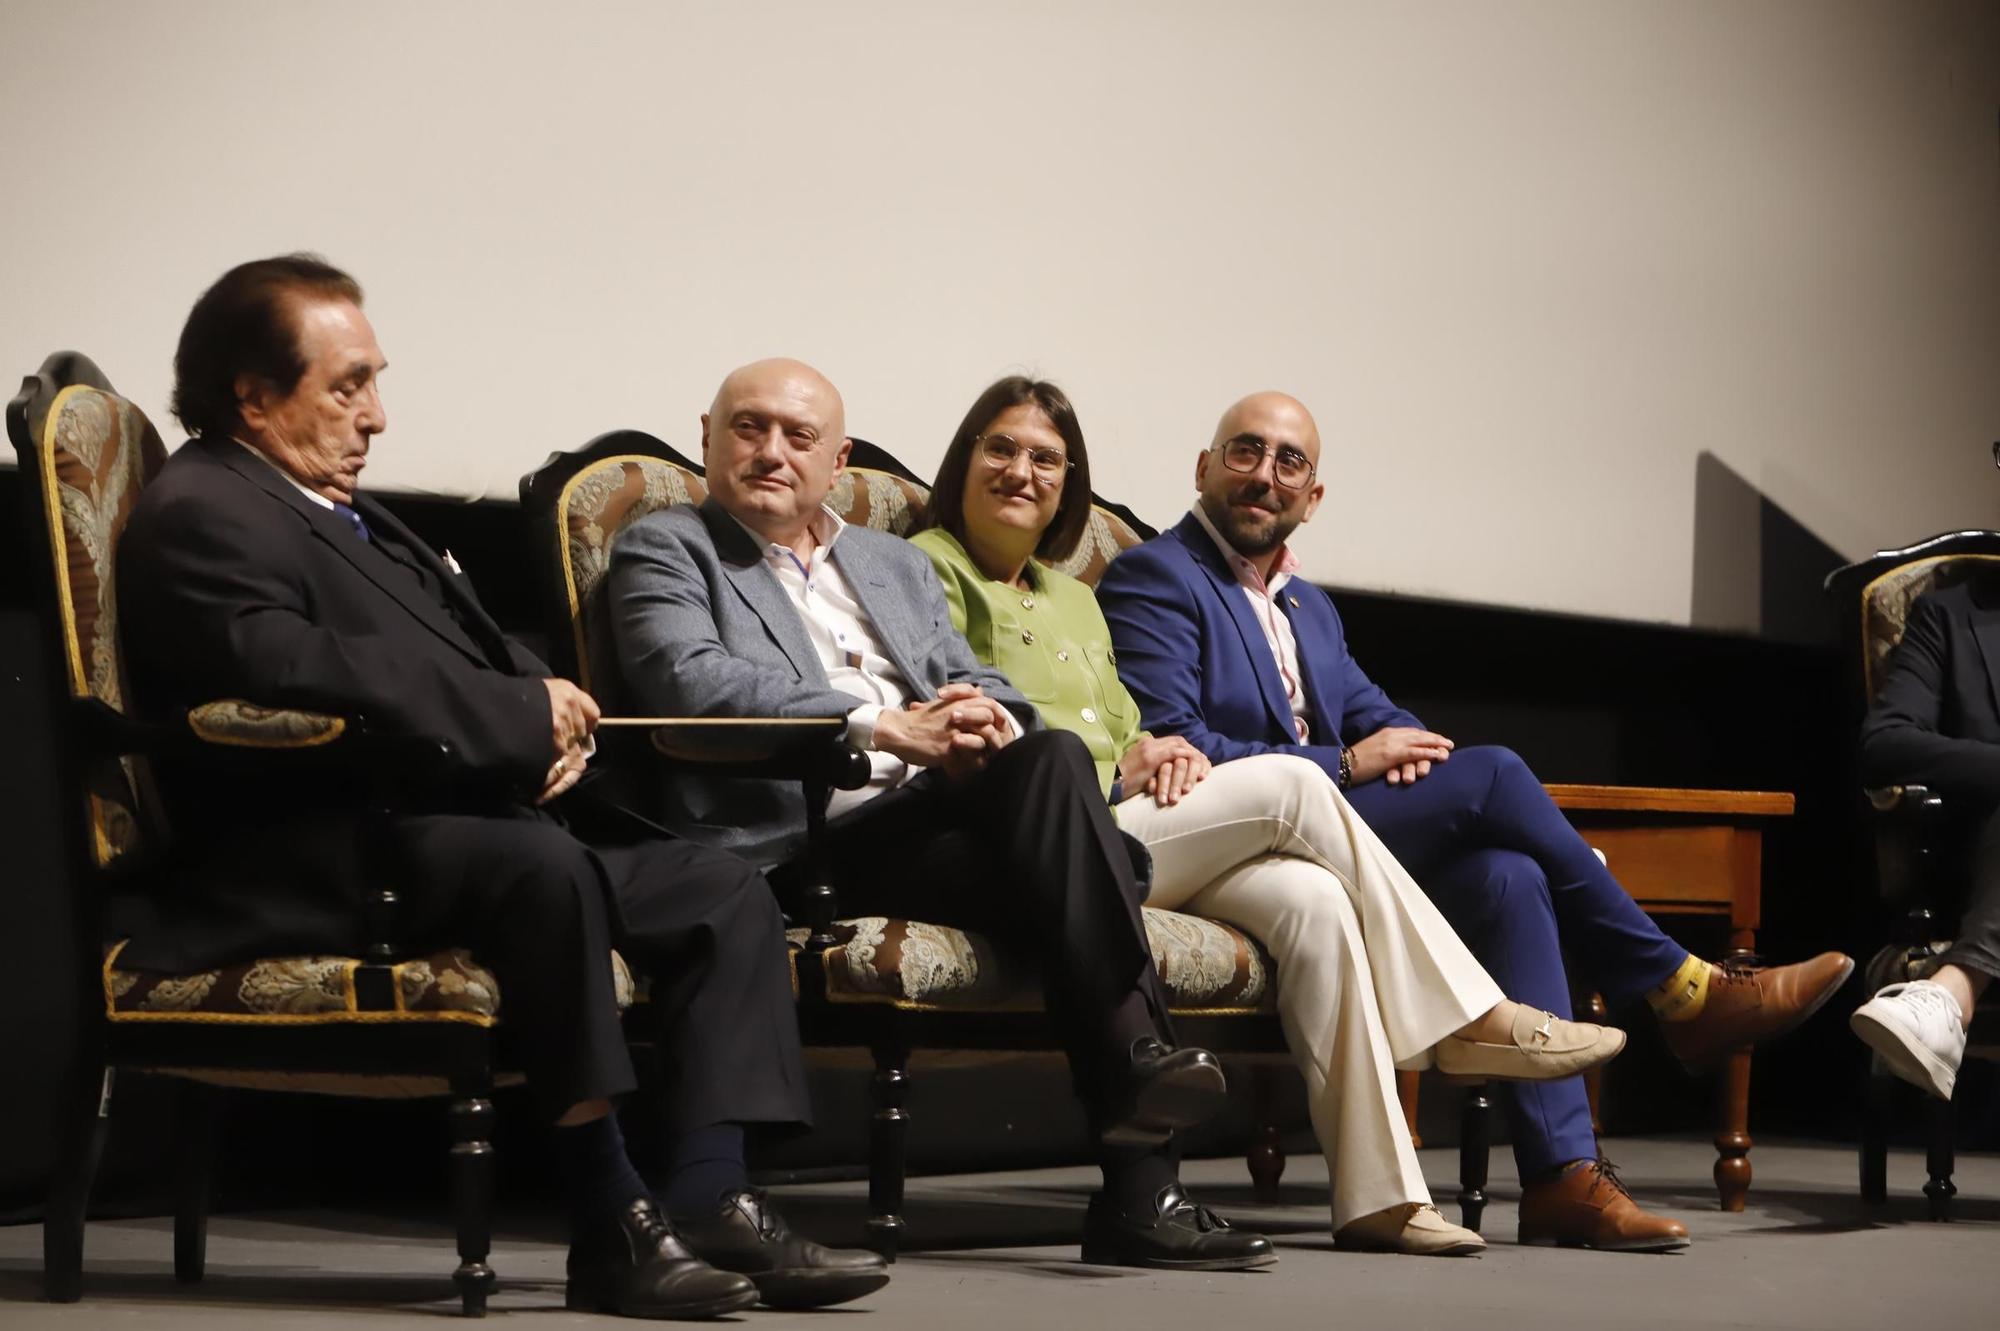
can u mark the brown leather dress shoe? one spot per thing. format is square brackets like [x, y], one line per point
[1586, 1206]
[1750, 1004]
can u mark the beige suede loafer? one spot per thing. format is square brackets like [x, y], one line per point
[1544, 1048]
[1414, 1228]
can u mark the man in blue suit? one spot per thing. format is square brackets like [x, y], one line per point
[1222, 643]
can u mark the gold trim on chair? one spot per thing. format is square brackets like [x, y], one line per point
[569, 568]
[79, 686]
[349, 1014]
[235, 723]
[1900, 571]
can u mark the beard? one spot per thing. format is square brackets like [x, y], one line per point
[1250, 531]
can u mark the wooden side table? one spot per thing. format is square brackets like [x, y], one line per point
[1683, 852]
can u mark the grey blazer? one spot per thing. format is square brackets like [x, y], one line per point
[701, 627]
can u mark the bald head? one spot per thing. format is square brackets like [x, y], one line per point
[1238, 474]
[783, 377]
[1271, 410]
[773, 442]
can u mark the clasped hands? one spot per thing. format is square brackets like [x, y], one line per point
[1166, 767]
[959, 731]
[573, 716]
[1398, 754]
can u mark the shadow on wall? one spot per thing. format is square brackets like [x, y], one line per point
[1757, 569]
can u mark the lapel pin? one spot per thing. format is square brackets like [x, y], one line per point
[1294, 600]
[452, 564]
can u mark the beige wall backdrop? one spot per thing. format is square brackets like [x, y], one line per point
[1528, 262]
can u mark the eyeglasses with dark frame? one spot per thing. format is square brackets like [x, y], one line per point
[1046, 465]
[1290, 468]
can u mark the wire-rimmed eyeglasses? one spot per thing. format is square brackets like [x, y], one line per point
[1289, 468]
[1046, 465]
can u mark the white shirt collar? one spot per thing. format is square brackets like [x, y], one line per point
[826, 527]
[268, 461]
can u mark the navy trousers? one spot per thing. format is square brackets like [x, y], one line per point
[1482, 837]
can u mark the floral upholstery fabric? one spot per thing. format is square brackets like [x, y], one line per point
[879, 500]
[598, 503]
[1206, 966]
[444, 986]
[97, 453]
[1107, 536]
[1886, 602]
[246, 725]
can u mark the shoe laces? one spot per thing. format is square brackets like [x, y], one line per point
[1931, 1000]
[1609, 1173]
[1741, 969]
[1205, 1220]
[770, 1225]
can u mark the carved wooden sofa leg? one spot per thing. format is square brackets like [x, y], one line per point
[1475, 1144]
[1939, 1157]
[86, 1114]
[472, 1186]
[1877, 1105]
[888, 1136]
[1267, 1147]
[198, 1114]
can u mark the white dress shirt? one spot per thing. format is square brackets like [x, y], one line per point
[1263, 598]
[843, 637]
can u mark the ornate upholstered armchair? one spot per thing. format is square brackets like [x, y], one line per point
[1917, 837]
[385, 1024]
[894, 985]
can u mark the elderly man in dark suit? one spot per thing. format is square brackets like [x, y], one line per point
[253, 568]
[1934, 723]
[762, 602]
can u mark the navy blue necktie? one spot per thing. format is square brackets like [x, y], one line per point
[354, 519]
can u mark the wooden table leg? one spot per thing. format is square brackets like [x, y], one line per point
[1593, 1080]
[1732, 1140]
[1406, 1092]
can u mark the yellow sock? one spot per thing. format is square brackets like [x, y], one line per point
[1682, 995]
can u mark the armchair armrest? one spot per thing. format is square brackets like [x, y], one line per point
[808, 749]
[273, 733]
[1909, 825]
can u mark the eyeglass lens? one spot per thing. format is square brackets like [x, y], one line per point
[1290, 467]
[1000, 450]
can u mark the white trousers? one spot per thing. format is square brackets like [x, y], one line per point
[1369, 973]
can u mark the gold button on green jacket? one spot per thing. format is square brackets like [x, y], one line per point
[1050, 641]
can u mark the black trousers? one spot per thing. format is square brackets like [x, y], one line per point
[1978, 945]
[544, 910]
[1026, 852]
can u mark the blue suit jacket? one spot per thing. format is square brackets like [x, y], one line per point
[1191, 651]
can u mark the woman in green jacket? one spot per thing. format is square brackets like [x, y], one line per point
[1370, 976]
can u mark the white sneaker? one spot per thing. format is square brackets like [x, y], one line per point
[1918, 1030]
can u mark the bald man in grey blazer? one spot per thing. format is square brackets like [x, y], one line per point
[762, 602]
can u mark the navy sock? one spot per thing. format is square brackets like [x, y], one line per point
[702, 1166]
[597, 1172]
[1134, 1175]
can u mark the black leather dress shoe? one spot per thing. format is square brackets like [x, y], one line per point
[746, 1235]
[635, 1266]
[1180, 1235]
[1162, 1090]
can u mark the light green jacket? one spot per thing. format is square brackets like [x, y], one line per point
[1050, 642]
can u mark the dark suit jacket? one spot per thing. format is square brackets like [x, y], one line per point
[1191, 651]
[1935, 720]
[232, 584]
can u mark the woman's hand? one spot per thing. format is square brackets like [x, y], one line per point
[1166, 767]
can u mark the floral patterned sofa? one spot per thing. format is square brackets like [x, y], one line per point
[887, 984]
